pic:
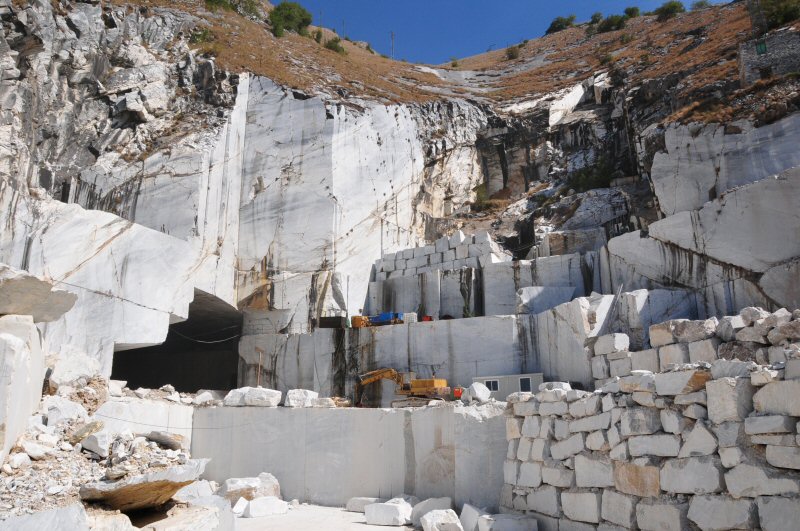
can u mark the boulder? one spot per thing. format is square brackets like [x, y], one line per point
[395, 512]
[264, 485]
[425, 506]
[98, 442]
[143, 491]
[441, 520]
[59, 410]
[252, 396]
[469, 517]
[300, 398]
[171, 441]
[611, 343]
[691, 331]
[479, 392]
[265, 506]
[728, 326]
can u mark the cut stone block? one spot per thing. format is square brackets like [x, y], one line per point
[729, 434]
[558, 476]
[730, 457]
[619, 508]
[769, 424]
[619, 367]
[731, 369]
[778, 514]
[681, 382]
[553, 408]
[751, 335]
[600, 368]
[264, 485]
[530, 475]
[513, 428]
[673, 422]
[721, 513]
[749, 481]
[705, 350]
[728, 326]
[567, 448]
[692, 331]
[784, 456]
[545, 500]
[506, 522]
[698, 397]
[593, 423]
[265, 506]
[582, 506]
[531, 426]
[637, 381]
[526, 409]
[597, 441]
[524, 449]
[693, 475]
[586, 406]
[672, 354]
[593, 471]
[763, 376]
[730, 399]
[425, 506]
[661, 334]
[610, 343]
[699, 442]
[469, 517]
[619, 452]
[657, 516]
[441, 520]
[695, 411]
[637, 480]
[779, 398]
[510, 471]
[657, 445]
[645, 360]
[394, 512]
[540, 450]
[751, 314]
[639, 421]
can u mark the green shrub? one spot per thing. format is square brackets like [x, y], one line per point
[512, 52]
[596, 18]
[631, 12]
[700, 4]
[249, 8]
[289, 16]
[369, 49]
[626, 38]
[560, 23]
[606, 59]
[335, 44]
[669, 9]
[201, 35]
[590, 177]
[454, 62]
[318, 36]
[611, 23]
[780, 12]
[213, 5]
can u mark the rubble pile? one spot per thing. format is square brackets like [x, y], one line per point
[66, 455]
[707, 437]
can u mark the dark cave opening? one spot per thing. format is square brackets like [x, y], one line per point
[198, 353]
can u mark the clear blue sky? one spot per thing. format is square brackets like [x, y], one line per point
[433, 31]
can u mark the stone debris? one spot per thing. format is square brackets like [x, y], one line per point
[425, 506]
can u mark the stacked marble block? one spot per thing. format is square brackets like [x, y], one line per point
[707, 446]
[744, 337]
[446, 254]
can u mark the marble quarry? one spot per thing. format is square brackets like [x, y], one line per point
[166, 222]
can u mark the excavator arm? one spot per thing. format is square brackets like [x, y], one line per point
[372, 377]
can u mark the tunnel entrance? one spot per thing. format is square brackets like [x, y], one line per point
[199, 353]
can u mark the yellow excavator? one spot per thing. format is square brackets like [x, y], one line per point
[418, 391]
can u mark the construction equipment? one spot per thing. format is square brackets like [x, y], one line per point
[418, 391]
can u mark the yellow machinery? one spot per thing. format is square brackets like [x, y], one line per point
[420, 389]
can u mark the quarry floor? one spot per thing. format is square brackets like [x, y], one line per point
[311, 517]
